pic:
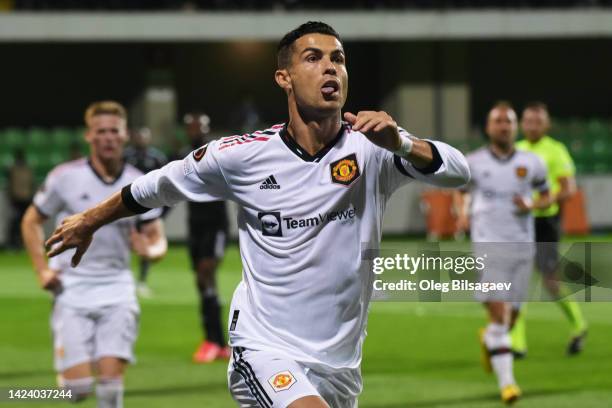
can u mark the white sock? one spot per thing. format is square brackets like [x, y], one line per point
[497, 340]
[109, 392]
[80, 388]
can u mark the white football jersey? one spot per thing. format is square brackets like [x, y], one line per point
[302, 222]
[103, 276]
[495, 181]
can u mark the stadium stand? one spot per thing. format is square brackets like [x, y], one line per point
[102, 5]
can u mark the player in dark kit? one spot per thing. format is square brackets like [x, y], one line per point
[207, 234]
[145, 158]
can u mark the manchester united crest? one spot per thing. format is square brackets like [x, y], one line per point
[282, 381]
[521, 171]
[345, 170]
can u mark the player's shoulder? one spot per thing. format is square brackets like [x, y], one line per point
[526, 153]
[556, 144]
[478, 154]
[246, 144]
[68, 169]
[522, 144]
[529, 157]
[520, 154]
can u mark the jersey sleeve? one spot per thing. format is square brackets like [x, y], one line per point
[48, 200]
[150, 215]
[539, 181]
[469, 186]
[448, 168]
[198, 177]
[563, 163]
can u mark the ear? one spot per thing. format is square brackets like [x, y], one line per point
[88, 134]
[283, 79]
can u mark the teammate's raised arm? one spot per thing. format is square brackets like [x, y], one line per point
[77, 230]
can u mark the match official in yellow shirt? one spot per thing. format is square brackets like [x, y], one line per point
[535, 123]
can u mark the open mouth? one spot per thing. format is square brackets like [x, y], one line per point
[330, 87]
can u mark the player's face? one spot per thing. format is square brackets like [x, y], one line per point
[317, 74]
[106, 136]
[535, 124]
[502, 126]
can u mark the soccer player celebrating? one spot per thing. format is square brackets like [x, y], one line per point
[298, 317]
[501, 226]
[95, 311]
[535, 123]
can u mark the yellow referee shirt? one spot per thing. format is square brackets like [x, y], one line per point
[558, 162]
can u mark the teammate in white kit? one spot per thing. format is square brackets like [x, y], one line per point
[501, 226]
[95, 312]
[311, 193]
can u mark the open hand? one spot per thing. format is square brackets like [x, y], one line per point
[378, 127]
[48, 279]
[522, 204]
[74, 232]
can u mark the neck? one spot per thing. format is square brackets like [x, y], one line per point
[108, 169]
[312, 134]
[536, 139]
[501, 149]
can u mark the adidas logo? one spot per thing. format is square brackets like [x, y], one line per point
[269, 184]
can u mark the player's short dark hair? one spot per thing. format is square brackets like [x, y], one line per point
[285, 46]
[536, 105]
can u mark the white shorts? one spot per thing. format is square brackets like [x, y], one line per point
[264, 379]
[506, 263]
[82, 335]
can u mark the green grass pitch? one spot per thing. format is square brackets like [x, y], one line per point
[416, 354]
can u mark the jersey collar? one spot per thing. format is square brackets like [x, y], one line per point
[303, 154]
[500, 158]
[98, 175]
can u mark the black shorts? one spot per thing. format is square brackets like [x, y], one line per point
[206, 241]
[547, 235]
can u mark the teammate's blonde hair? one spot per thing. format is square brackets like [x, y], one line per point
[502, 104]
[104, 108]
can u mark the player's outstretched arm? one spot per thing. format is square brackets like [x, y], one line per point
[568, 188]
[77, 230]
[432, 162]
